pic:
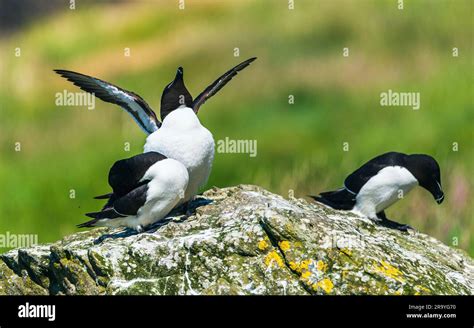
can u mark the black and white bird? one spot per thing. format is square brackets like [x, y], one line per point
[381, 182]
[145, 188]
[179, 135]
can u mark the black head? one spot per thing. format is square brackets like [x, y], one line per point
[175, 95]
[426, 171]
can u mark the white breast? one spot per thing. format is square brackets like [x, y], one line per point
[169, 180]
[183, 138]
[382, 190]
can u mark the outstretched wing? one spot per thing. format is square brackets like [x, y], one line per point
[131, 102]
[357, 179]
[219, 83]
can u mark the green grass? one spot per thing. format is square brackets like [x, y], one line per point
[299, 145]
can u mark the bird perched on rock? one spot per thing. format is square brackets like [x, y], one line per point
[381, 182]
[148, 185]
[145, 188]
[179, 135]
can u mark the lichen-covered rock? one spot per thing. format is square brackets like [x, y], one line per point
[242, 240]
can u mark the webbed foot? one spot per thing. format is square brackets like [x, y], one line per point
[395, 225]
[385, 222]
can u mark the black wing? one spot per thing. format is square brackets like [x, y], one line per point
[126, 205]
[340, 199]
[126, 174]
[129, 188]
[219, 83]
[131, 102]
[131, 202]
[359, 177]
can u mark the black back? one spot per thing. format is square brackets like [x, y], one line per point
[359, 177]
[125, 175]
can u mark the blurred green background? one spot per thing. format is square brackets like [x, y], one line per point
[300, 53]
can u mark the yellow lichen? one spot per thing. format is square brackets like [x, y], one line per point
[325, 284]
[262, 245]
[304, 264]
[284, 245]
[273, 257]
[305, 275]
[321, 266]
[294, 266]
[346, 251]
[300, 267]
[390, 271]
[420, 290]
[398, 292]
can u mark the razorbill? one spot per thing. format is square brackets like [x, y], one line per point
[179, 135]
[145, 188]
[381, 182]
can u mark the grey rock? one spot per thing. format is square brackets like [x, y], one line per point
[242, 240]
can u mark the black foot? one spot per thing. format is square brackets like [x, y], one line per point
[395, 225]
[182, 208]
[392, 224]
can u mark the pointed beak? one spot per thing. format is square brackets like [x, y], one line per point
[439, 196]
[179, 74]
[177, 78]
[440, 199]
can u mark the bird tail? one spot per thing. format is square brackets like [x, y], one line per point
[106, 196]
[88, 224]
[108, 213]
[340, 199]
